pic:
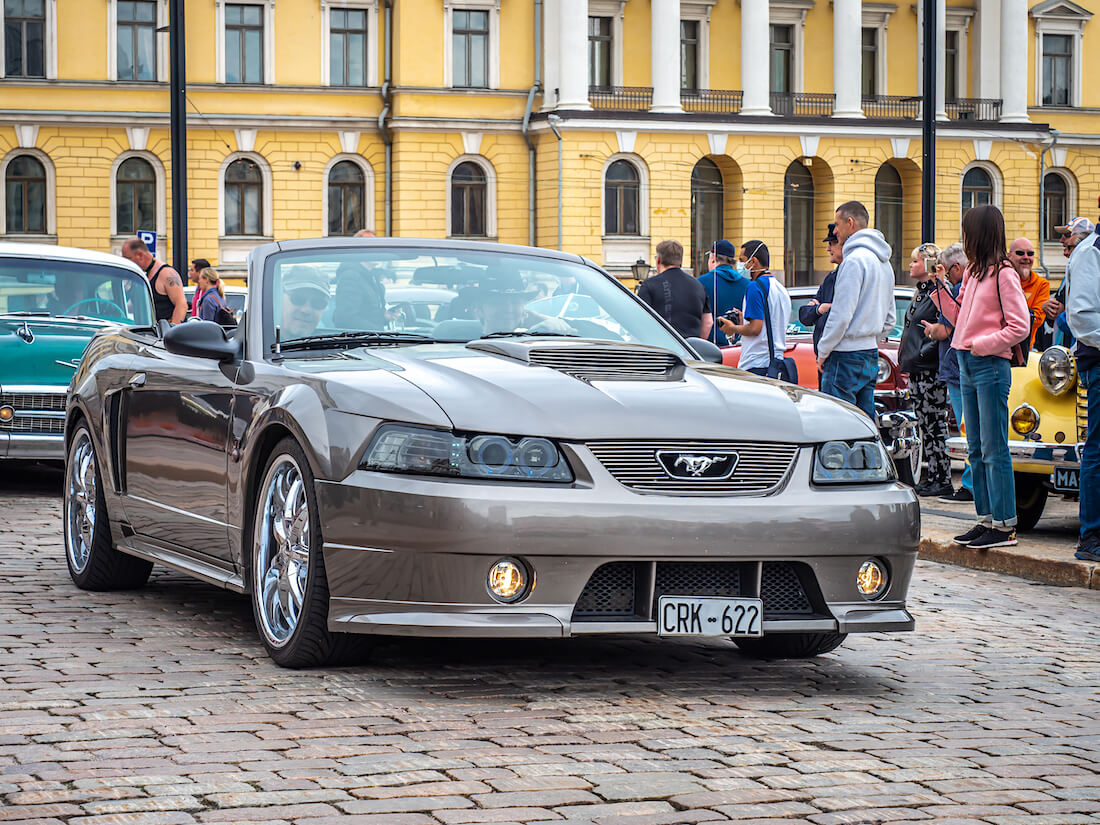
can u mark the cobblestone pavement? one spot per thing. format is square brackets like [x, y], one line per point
[159, 706]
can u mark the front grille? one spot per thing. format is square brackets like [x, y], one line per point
[619, 591]
[37, 401]
[634, 464]
[1082, 413]
[608, 363]
[33, 424]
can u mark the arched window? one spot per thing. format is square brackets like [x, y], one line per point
[798, 225]
[1056, 202]
[706, 211]
[621, 190]
[25, 196]
[888, 200]
[346, 198]
[977, 189]
[243, 198]
[469, 190]
[135, 197]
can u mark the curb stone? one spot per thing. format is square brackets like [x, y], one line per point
[1062, 572]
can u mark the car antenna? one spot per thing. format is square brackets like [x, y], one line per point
[278, 343]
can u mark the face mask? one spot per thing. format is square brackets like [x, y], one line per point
[741, 269]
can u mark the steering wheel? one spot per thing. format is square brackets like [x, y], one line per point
[104, 301]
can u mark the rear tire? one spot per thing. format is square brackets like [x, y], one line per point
[1031, 498]
[93, 561]
[790, 645]
[290, 595]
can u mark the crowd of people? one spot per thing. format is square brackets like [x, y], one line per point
[978, 307]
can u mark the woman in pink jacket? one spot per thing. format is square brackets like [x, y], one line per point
[990, 316]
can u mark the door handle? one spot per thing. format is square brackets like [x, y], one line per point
[138, 380]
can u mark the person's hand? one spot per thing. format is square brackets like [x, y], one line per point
[553, 325]
[823, 308]
[814, 302]
[726, 325]
[937, 332]
[820, 364]
[940, 274]
[1052, 309]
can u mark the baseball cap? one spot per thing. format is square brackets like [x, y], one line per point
[1077, 226]
[304, 277]
[830, 236]
[758, 250]
[724, 248]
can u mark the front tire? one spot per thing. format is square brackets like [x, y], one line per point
[93, 561]
[290, 595]
[1031, 499]
[790, 645]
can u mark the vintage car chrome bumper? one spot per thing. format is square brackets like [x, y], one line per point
[1027, 452]
[898, 394]
[37, 446]
[406, 555]
[899, 431]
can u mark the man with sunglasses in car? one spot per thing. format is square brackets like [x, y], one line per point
[305, 296]
[1036, 288]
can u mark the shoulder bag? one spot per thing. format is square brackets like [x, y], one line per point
[785, 369]
[1018, 350]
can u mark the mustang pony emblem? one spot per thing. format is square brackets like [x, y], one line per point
[709, 465]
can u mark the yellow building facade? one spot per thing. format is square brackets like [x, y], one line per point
[602, 126]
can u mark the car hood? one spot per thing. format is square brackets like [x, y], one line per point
[488, 392]
[41, 350]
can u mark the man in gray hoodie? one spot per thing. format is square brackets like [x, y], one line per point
[862, 312]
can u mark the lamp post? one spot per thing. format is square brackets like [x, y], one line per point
[640, 269]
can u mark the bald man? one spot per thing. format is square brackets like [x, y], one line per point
[1036, 288]
[169, 302]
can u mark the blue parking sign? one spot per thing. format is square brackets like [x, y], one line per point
[150, 239]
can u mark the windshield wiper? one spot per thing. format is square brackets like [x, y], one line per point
[533, 333]
[352, 339]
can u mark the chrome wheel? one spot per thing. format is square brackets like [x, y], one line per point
[80, 502]
[281, 555]
[916, 456]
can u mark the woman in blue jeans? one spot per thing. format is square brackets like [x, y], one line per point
[990, 316]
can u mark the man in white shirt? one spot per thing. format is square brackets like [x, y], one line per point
[766, 297]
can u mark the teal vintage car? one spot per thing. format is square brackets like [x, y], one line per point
[53, 300]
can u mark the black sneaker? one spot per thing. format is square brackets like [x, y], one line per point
[959, 496]
[993, 537]
[931, 490]
[1088, 548]
[977, 531]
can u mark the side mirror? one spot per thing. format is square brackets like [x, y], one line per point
[706, 350]
[200, 339]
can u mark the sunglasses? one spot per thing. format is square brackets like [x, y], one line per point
[308, 296]
[1064, 234]
[1026, 253]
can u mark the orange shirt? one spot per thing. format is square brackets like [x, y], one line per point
[1037, 292]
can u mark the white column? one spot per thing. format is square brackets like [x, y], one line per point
[573, 54]
[989, 48]
[1014, 61]
[551, 55]
[755, 42]
[847, 51]
[941, 59]
[665, 42]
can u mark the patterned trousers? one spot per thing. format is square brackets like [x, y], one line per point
[929, 396]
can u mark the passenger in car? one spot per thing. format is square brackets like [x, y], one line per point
[305, 296]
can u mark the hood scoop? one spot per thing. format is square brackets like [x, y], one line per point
[590, 360]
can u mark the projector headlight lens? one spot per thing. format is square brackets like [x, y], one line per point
[852, 462]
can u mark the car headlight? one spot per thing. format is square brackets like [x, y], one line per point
[852, 462]
[884, 369]
[400, 448]
[1025, 419]
[1057, 371]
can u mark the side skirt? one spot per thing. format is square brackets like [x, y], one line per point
[205, 570]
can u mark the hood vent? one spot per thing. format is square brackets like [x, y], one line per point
[589, 361]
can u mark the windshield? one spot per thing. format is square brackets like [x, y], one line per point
[796, 327]
[73, 288]
[448, 295]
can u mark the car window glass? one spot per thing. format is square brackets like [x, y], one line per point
[74, 288]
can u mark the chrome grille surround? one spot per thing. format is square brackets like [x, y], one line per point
[1082, 413]
[596, 363]
[761, 466]
[36, 401]
[40, 413]
[33, 424]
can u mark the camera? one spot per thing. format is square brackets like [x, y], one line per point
[733, 315]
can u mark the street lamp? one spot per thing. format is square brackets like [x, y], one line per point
[640, 269]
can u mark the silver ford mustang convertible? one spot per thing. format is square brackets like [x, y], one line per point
[476, 467]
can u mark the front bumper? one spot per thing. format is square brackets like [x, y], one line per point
[38, 447]
[408, 555]
[1027, 456]
[899, 431]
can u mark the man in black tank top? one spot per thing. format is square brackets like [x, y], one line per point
[169, 302]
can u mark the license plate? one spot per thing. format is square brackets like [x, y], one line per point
[1067, 480]
[708, 616]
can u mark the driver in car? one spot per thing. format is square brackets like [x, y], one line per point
[67, 294]
[305, 296]
[500, 303]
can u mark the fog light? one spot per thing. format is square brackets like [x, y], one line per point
[871, 579]
[7, 413]
[508, 580]
[1025, 419]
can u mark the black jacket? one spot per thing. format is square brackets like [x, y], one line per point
[807, 313]
[917, 352]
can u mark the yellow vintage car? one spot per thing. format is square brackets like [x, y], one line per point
[1047, 424]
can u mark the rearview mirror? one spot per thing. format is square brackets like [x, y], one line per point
[200, 339]
[706, 350]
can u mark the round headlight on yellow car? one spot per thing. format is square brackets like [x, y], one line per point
[1057, 372]
[1025, 419]
[872, 579]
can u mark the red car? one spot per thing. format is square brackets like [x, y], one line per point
[897, 425]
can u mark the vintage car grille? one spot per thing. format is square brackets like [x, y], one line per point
[634, 464]
[1082, 413]
[622, 591]
[608, 363]
[38, 412]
